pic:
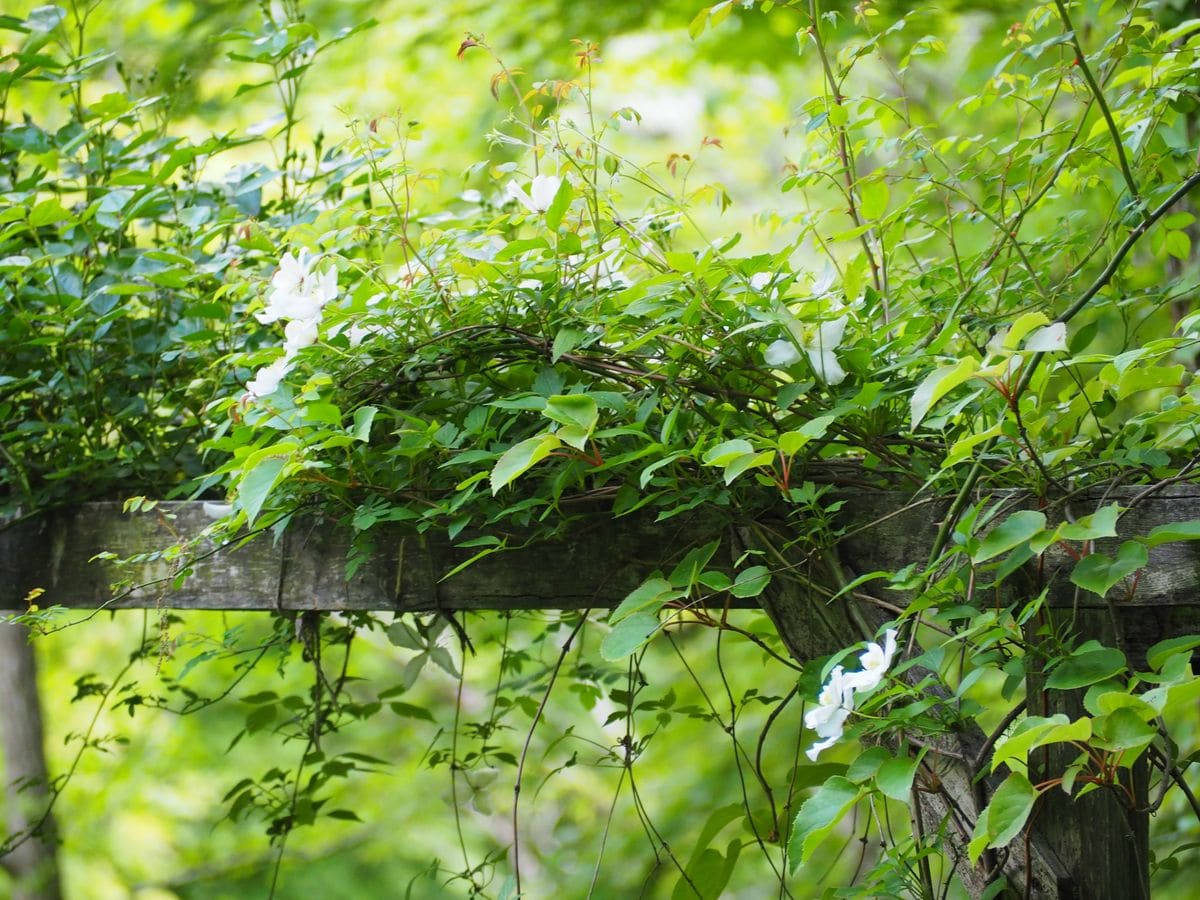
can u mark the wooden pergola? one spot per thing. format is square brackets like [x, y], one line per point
[1083, 848]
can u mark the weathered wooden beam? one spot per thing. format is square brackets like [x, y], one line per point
[601, 559]
[594, 566]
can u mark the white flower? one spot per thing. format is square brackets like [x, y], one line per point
[781, 353]
[298, 334]
[818, 344]
[266, 380]
[1048, 339]
[836, 700]
[828, 717]
[297, 292]
[541, 192]
[875, 662]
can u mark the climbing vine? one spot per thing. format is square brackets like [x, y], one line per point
[979, 296]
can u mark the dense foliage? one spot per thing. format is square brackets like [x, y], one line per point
[977, 287]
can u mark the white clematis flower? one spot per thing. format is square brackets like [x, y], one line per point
[297, 292]
[541, 192]
[875, 662]
[298, 334]
[828, 717]
[266, 380]
[818, 343]
[836, 700]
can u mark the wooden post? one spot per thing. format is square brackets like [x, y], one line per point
[33, 865]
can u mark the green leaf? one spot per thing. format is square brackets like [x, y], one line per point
[867, 764]
[519, 458]
[726, 451]
[1005, 815]
[1023, 326]
[558, 206]
[895, 778]
[792, 441]
[818, 816]
[741, 464]
[1164, 650]
[565, 341]
[1173, 531]
[257, 483]
[572, 409]
[1099, 574]
[1122, 729]
[1100, 524]
[751, 582]
[873, 198]
[939, 383]
[627, 635]
[1036, 731]
[1086, 668]
[649, 596]
[363, 417]
[688, 571]
[1012, 532]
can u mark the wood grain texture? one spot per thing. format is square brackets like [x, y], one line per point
[1075, 850]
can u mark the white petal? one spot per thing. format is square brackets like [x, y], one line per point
[815, 750]
[516, 192]
[266, 380]
[300, 333]
[760, 280]
[829, 335]
[781, 353]
[866, 680]
[1049, 339]
[822, 285]
[825, 364]
[542, 191]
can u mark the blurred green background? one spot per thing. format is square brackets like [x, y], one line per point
[145, 817]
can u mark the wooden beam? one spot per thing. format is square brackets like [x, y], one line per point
[600, 559]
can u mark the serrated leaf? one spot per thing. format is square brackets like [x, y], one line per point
[726, 451]
[1012, 532]
[649, 596]
[1164, 650]
[363, 417]
[818, 816]
[1099, 574]
[939, 383]
[1036, 731]
[560, 203]
[751, 582]
[1089, 667]
[1122, 729]
[572, 409]
[519, 458]
[1173, 531]
[873, 198]
[895, 778]
[687, 572]
[565, 341]
[627, 635]
[256, 485]
[1005, 815]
